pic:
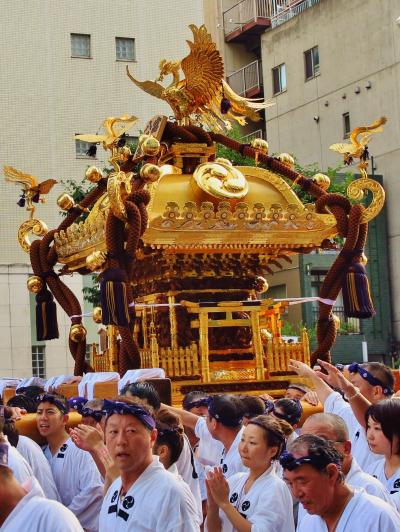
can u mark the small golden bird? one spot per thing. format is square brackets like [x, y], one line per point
[358, 149]
[125, 122]
[32, 191]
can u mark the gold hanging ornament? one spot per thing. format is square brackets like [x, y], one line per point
[77, 332]
[97, 315]
[34, 284]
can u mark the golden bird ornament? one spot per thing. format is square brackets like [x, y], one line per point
[359, 138]
[32, 190]
[202, 97]
[114, 127]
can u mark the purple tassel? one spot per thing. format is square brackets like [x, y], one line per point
[114, 299]
[46, 316]
[225, 105]
[357, 299]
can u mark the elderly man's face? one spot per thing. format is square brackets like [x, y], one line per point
[314, 489]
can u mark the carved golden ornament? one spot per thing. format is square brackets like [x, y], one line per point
[34, 284]
[261, 145]
[114, 127]
[65, 202]
[149, 145]
[37, 227]
[77, 333]
[336, 321]
[287, 160]
[150, 173]
[359, 138]
[93, 174]
[33, 191]
[355, 191]
[221, 180]
[118, 188]
[197, 97]
[95, 260]
[97, 315]
[322, 181]
[125, 153]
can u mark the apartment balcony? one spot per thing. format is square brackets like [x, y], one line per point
[257, 134]
[247, 19]
[287, 9]
[247, 81]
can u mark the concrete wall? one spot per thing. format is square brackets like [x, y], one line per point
[359, 42]
[46, 98]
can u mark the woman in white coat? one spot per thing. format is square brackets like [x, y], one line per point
[258, 500]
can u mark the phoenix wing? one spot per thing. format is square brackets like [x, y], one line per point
[203, 68]
[15, 176]
[245, 106]
[343, 148]
[45, 186]
[151, 87]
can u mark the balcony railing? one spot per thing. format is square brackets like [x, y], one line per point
[258, 134]
[287, 9]
[247, 81]
[347, 325]
[246, 12]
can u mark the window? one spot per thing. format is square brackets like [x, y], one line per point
[38, 361]
[80, 45]
[81, 148]
[346, 125]
[125, 49]
[311, 62]
[279, 79]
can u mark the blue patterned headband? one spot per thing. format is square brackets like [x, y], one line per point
[95, 414]
[289, 462]
[366, 375]
[118, 407]
[52, 399]
[77, 403]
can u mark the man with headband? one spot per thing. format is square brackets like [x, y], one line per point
[312, 469]
[145, 497]
[24, 507]
[373, 380]
[76, 476]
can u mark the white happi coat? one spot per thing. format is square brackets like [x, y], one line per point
[267, 505]
[156, 502]
[335, 404]
[391, 484]
[33, 454]
[357, 478]
[37, 514]
[363, 513]
[22, 471]
[209, 449]
[78, 483]
[187, 470]
[231, 462]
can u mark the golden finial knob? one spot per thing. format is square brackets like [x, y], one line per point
[95, 260]
[93, 174]
[260, 284]
[150, 173]
[287, 160]
[336, 320]
[77, 333]
[322, 181]
[65, 202]
[97, 315]
[261, 145]
[34, 284]
[149, 145]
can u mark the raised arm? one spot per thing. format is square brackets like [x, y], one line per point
[188, 419]
[359, 404]
[322, 389]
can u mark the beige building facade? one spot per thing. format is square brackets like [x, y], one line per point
[328, 66]
[62, 72]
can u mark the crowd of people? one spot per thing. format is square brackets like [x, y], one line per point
[221, 463]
